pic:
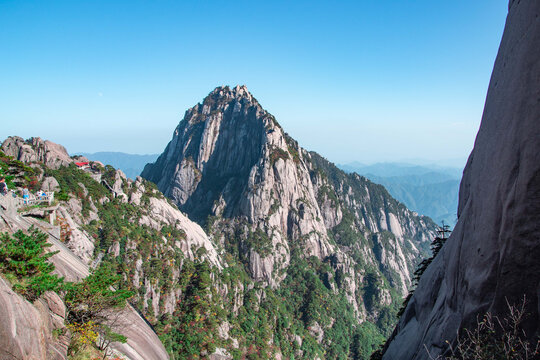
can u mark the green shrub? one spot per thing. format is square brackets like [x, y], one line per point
[259, 242]
[278, 153]
[24, 256]
[366, 339]
[192, 328]
[18, 174]
[93, 297]
[94, 303]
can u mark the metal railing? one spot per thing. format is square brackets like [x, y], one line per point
[48, 197]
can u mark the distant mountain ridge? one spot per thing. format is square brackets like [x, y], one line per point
[428, 190]
[130, 164]
[387, 169]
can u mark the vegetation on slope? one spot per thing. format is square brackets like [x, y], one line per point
[18, 174]
[91, 304]
[24, 261]
[202, 308]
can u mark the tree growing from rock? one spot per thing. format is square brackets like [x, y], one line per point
[24, 260]
[95, 301]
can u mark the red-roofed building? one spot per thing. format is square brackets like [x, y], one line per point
[83, 165]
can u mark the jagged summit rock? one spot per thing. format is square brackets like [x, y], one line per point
[239, 91]
[36, 150]
[223, 137]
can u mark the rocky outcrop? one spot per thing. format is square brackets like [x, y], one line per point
[232, 168]
[53, 314]
[491, 258]
[77, 240]
[36, 150]
[142, 342]
[50, 184]
[26, 330]
[161, 212]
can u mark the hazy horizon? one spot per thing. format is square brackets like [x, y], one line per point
[442, 163]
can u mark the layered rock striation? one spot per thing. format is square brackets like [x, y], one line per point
[491, 258]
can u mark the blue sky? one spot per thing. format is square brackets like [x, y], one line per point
[354, 80]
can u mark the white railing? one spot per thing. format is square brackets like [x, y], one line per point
[35, 199]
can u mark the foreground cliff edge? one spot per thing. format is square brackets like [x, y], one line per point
[491, 258]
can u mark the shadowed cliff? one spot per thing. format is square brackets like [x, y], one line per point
[492, 255]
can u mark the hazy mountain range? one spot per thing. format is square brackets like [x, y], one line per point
[427, 189]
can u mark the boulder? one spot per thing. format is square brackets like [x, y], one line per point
[26, 331]
[50, 184]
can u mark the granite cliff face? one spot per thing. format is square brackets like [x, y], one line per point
[492, 254]
[231, 166]
[27, 329]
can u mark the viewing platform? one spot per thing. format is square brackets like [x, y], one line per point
[35, 205]
[47, 197]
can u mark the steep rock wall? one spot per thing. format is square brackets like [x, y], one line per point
[26, 329]
[492, 255]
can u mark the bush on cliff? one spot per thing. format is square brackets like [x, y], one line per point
[494, 338]
[25, 262]
[93, 306]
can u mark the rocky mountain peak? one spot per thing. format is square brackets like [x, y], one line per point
[223, 138]
[231, 167]
[237, 92]
[225, 99]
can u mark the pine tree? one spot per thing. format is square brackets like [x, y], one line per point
[24, 258]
